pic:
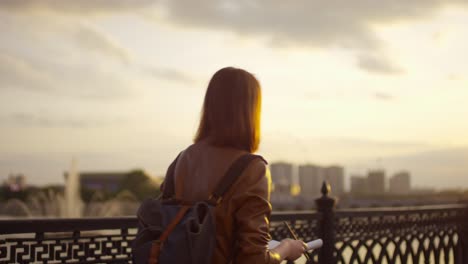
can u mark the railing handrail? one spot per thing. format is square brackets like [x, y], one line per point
[359, 230]
[37, 225]
[416, 208]
[44, 225]
[398, 211]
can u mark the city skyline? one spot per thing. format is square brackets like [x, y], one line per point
[309, 177]
[120, 86]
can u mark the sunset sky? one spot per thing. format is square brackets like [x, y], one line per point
[119, 84]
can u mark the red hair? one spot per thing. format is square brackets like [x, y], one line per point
[231, 110]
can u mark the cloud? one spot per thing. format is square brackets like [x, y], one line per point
[16, 72]
[454, 77]
[333, 149]
[36, 120]
[355, 142]
[55, 56]
[50, 77]
[374, 63]
[440, 168]
[73, 6]
[302, 22]
[314, 24]
[169, 74]
[90, 38]
[383, 96]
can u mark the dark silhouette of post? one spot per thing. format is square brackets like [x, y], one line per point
[465, 234]
[325, 206]
[463, 241]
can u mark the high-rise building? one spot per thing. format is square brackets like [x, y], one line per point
[400, 183]
[359, 185]
[334, 175]
[310, 180]
[376, 181]
[281, 176]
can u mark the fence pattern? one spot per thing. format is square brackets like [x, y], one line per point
[74, 248]
[91, 241]
[387, 236]
[435, 234]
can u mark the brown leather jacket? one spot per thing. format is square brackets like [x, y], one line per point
[242, 218]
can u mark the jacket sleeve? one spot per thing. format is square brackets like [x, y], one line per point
[252, 215]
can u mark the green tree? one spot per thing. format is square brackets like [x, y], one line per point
[140, 184]
[7, 194]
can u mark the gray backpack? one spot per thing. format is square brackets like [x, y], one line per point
[174, 232]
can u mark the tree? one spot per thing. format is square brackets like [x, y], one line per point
[140, 184]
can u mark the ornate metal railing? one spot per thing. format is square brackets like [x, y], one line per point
[429, 234]
[86, 240]
[412, 235]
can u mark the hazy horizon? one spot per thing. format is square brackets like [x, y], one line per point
[119, 84]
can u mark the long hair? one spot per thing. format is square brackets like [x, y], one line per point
[231, 110]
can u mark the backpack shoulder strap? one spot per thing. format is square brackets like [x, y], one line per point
[232, 174]
[168, 186]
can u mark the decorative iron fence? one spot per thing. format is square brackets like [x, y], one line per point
[425, 234]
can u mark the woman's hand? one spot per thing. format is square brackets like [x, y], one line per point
[290, 249]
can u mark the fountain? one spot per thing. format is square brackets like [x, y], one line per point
[15, 208]
[124, 203]
[68, 204]
[73, 203]
[47, 203]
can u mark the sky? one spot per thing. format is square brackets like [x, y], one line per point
[119, 84]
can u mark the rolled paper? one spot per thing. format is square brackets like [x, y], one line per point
[314, 244]
[272, 244]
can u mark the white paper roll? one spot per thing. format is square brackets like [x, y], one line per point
[272, 244]
[314, 244]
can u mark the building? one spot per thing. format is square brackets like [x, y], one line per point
[400, 183]
[101, 181]
[310, 179]
[15, 182]
[359, 185]
[108, 181]
[334, 175]
[376, 181]
[281, 176]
